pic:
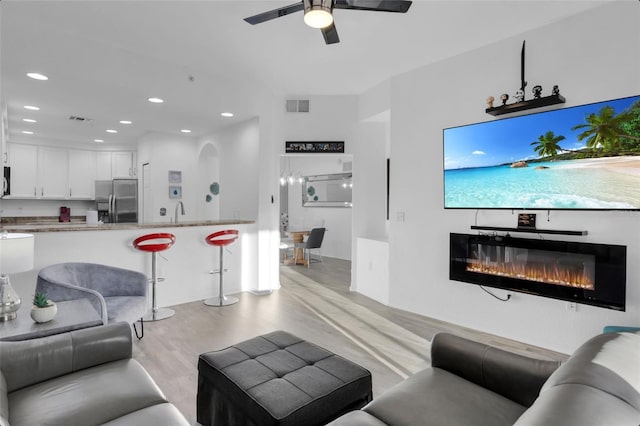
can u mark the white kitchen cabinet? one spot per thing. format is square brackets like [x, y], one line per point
[24, 170]
[4, 135]
[82, 174]
[123, 165]
[43, 172]
[53, 165]
[103, 165]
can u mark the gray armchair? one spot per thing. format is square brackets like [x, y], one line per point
[117, 294]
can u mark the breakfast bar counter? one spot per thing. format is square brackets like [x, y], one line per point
[185, 266]
[51, 226]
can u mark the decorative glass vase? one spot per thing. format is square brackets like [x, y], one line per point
[9, 300]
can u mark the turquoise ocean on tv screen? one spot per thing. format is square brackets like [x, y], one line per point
[558, 187]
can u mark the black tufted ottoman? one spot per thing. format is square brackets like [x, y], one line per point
[278, 379]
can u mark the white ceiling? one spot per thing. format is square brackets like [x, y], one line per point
[105, 58]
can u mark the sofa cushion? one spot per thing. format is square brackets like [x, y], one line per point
[436, 397]
[159, 414]
[90, 396]
[579, 405]
[608, 362]
[4, 402]
[513, 376]
[128, 309]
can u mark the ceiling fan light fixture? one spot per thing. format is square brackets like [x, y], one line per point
[317, 13]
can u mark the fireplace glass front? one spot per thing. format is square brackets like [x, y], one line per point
[593, 274]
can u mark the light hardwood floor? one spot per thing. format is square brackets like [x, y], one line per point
[314, 304]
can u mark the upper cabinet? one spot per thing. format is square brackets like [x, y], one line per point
[53, 165]
[82, 174]
[103, 165]
[123, 165]
[44, 172]
[115, 165]
[4, 130]
[24, 170]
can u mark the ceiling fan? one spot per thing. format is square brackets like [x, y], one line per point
[319, 13]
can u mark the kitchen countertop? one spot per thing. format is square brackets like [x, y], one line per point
[50, 226]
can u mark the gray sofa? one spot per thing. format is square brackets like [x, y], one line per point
[83, 377]
[474, 384]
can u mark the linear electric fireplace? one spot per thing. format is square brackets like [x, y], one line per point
[593, 274]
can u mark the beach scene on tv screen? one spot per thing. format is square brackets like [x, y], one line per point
[583, 157]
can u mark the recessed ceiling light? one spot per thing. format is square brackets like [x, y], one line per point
[111, 131]
[98, 140]
[125, 122]
[37, 76]
[29, 120]
[32, 108]
[27, 132]
[156, 100]
[227, 114]
[185, 131]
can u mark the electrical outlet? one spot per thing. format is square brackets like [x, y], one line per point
[400, 216]
[571, 306]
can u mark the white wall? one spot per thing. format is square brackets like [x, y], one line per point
[238, 148]
[592, 57]
[13, 208]
[165, 152]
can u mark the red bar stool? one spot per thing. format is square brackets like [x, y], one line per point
[155, 243]
[221, 239]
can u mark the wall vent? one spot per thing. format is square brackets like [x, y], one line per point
[347, 166]
[79, 119]
[297, 105]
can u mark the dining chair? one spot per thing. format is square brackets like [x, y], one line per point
[314, 241]
[286, 244]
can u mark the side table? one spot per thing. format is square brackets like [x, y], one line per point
[72, 315]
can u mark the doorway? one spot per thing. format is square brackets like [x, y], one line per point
[294, 215]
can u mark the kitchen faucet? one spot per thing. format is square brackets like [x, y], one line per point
[175, 220]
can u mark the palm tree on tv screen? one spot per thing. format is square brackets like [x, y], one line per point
[547, 144]
[605, 129]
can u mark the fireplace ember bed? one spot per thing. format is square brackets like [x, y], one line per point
[592, 274]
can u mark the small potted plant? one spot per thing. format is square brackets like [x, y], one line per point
[43, 309]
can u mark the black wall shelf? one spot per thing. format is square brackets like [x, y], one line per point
[524, 105]
[529, 230]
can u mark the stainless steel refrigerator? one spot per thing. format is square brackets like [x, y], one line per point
[117, 200]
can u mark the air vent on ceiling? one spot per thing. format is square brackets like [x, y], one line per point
[297, 105]
[78, 119]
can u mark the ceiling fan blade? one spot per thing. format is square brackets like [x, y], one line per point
[399, 6]
[330, 34]
[276, 13]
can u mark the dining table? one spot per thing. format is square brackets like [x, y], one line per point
[297, 235]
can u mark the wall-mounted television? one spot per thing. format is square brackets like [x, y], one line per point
[585, 157]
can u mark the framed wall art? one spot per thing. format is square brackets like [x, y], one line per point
[325, 147]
